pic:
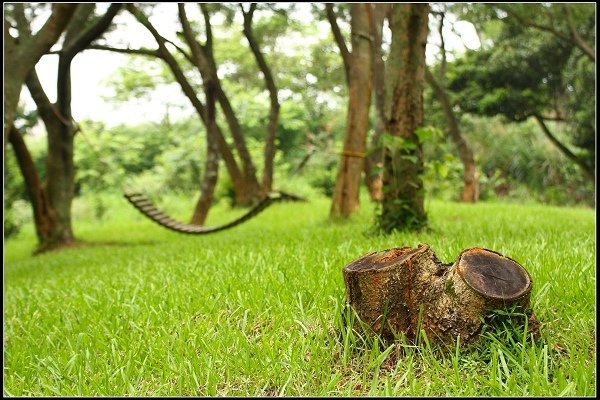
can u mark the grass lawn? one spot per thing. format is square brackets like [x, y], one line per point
[255, 310]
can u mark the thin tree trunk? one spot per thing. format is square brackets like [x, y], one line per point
[228, 157]
[269, 150]
[242, 193]
[470, 193]
[43, 214]
[251, 185]
[374, 157]
[403, 194]
[347, 188]
[339, 40]
[211, 166]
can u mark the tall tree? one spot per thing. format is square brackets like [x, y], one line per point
[246, 186]
[211, 165]
[374, 157]
[174, 64]
[269, 149]
[359, 73]
[22, 52]
[403, 194]
[52, 201]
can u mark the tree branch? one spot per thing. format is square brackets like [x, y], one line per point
[94, 31]
[144, 52]
[579, 42]
[23, 25]
[444, 63]
[72, 47]
[573, 37]
[208, 27]
[180, 50]
[269, 148]
[43, 40]
[44, 105]
[589, 172]
[339, 39]
[200, 60]
[187, 89]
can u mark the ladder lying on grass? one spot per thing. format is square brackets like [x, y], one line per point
[146, 207]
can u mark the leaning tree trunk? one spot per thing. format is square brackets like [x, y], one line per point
[470, 193]
[43, 215]
[269, 150]
[237, 178]
[588, 170]
[211, 170]
[251, 190]
[347, 187]
[402, 203]
[406, 290]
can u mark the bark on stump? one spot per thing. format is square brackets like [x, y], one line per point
[406, 289]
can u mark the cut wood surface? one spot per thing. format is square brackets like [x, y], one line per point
[406, 289]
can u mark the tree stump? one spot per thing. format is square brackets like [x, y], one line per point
[406, 289]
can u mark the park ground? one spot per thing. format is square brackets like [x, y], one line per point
[258, 310]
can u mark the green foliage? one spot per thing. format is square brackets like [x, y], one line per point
[443, 173]
[580, 78]
[137, 79]
[401, 208]
[489, 84]
[517, 161]
[152, 156]
[529, 71]
[324, 181]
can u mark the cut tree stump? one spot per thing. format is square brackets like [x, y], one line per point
[406, 289]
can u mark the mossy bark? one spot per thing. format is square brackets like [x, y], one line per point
[403, 193]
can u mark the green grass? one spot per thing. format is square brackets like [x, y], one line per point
[256, 310]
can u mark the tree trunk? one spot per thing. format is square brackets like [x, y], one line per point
[60, 177]
[59, 169]
[347, 188]
[470, 193]
[406, 290]
[251, 186]
[211, 166]
[60, 128]
[402, 204]
[374, 157]
[228, 157]
[269, 151]
[43, 214]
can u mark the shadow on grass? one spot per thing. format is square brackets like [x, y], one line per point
[80, 244]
